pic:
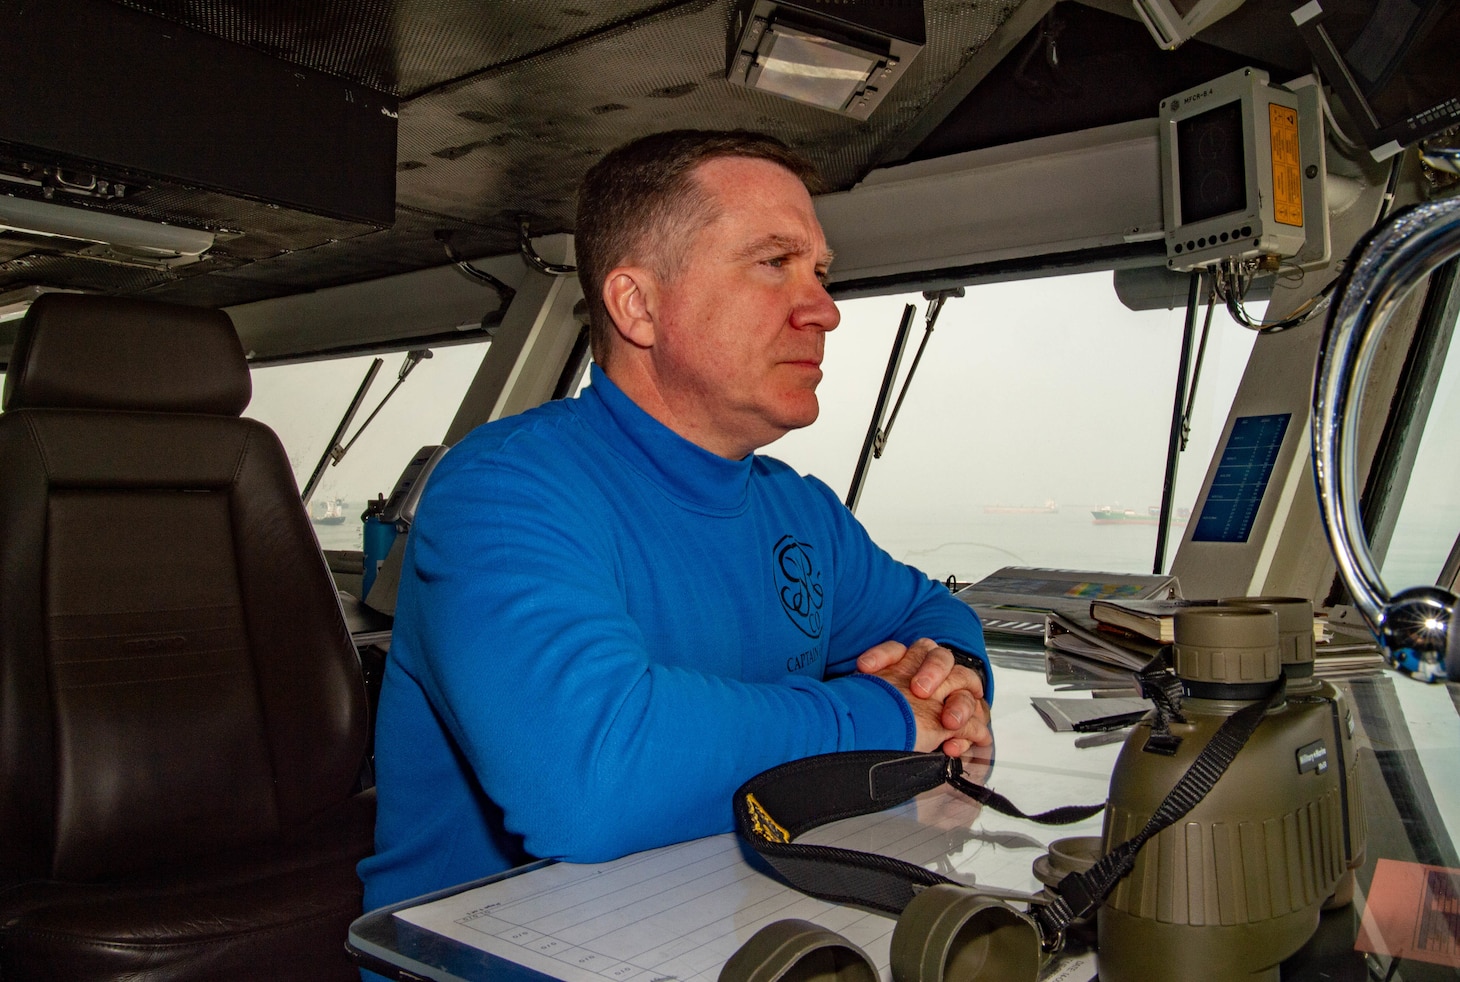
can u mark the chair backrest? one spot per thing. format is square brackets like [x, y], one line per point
[176, 678]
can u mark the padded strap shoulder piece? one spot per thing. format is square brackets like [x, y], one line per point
[775, 807]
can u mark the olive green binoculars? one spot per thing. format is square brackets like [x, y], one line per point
[1222, 884]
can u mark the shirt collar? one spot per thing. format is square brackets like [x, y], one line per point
[685, 471]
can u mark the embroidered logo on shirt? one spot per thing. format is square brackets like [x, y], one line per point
[798, 581]
[805, 659]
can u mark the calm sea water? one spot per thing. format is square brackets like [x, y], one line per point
[350, 535]
[979, 543]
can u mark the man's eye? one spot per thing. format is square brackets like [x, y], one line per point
[777, 262]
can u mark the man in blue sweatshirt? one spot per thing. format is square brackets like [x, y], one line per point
[612, 611]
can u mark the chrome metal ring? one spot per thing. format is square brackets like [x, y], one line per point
[1416, 626]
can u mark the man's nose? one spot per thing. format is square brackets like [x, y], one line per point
[816, 311]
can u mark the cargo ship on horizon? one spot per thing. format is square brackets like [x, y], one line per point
[1048, 508]
[1106, 515]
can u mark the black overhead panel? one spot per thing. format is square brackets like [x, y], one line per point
[1081, 67]
[81, 274]
[516, 140]
[404, 47]
[103, 92]
[502, 107]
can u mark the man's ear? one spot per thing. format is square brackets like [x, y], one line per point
[629, 293]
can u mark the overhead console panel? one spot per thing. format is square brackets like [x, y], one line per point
[1394, 64]
[1085, 200]
[1243, 173]
[86, 85]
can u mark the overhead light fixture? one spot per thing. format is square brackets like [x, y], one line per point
[1172, 22]
[838, 56]
[103, 235]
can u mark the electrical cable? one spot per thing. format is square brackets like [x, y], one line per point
[1233, 278]
[1390, 188]
[1334, 129]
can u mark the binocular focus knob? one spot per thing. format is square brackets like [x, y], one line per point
[1295, 627]
[1226, 647]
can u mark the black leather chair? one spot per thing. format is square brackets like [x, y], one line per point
[182, 712]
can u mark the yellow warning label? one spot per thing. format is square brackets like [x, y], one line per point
[765, 826]
[1287, 165]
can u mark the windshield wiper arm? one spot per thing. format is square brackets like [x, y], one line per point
[877, 434]
[336, 450]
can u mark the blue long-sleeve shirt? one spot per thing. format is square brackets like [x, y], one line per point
[602, 630]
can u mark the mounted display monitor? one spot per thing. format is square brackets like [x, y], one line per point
[1394, 64]
[1241, 480]
[1242, 172]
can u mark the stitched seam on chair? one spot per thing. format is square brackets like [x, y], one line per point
[153, 680]
[174, 945]
[144, 658]
[251, 667]
[139, 656]
[159, 610]
[40, 446]
[242, 455]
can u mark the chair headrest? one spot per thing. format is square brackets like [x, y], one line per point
[75, 351]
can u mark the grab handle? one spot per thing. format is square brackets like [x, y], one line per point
[1416, 626]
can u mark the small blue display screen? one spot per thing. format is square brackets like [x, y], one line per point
[1241, 480]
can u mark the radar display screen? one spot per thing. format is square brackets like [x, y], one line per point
[1213, 173]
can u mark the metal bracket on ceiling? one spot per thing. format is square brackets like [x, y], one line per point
[524, 245]
[481, 276]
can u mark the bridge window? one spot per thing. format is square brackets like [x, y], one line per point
[1036, 404]
[1425, 531]
[303, 403]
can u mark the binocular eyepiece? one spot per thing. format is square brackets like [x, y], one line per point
[946, 933]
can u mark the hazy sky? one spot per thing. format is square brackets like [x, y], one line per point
[1027, 391]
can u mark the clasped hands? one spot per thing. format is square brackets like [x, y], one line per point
[946, 698]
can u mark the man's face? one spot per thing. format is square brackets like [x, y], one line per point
[739, 332]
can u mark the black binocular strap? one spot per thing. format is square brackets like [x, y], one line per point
[776, 806]
[1078, 894]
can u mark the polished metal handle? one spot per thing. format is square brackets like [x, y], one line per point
[1416, 626]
